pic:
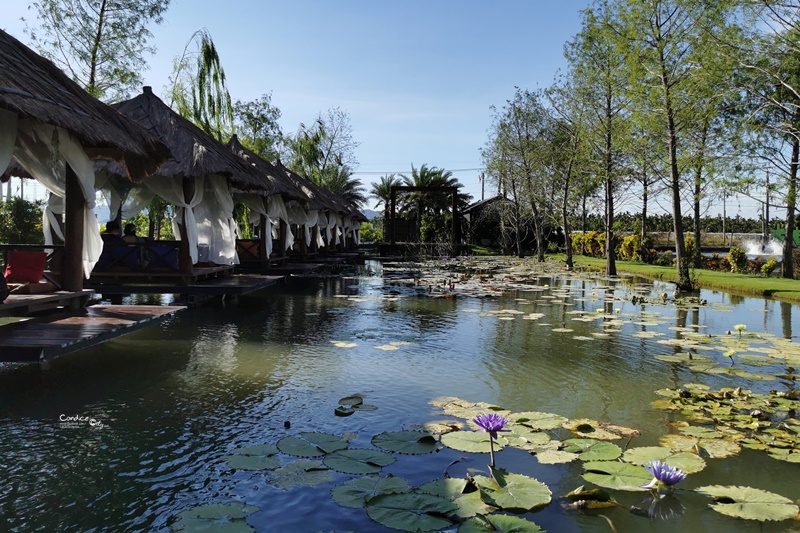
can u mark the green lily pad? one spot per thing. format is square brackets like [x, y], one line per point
[513, 492]
[469, 503]
[351, 400]
[358, 461]
[311, 444]
[469, 441]
[537, 420]
[617, 475]
[343, 411]
[592, 449]
[412, 442]
[688, 462]
[365, 407]
[592, 429]
[749, 503]
[499, 523]
[301, 473]
[414, 511]
[227, 517]
[554, 457]
[355, 492]
[259, 457]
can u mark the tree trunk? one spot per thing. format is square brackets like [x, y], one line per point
[643, 230]
[611, 263]
[787, 266]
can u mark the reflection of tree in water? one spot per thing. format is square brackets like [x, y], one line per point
[786, 319]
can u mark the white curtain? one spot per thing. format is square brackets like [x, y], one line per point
[216, 227]
[312, 220]
[323, 235]
[171, 189]
[277, 212]
[44, 151]
[8, 137]
[299, 216]
[51, 215]
[257, 210]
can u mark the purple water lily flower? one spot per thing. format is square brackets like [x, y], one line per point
[490, 422]
[665, 474]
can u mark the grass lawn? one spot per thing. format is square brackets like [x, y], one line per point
[745, 284]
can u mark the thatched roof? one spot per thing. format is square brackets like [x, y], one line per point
[319, 198]
[34, 87]
[194, 153]
[275, 182]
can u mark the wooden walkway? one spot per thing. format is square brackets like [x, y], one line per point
[27, 304]
[234, 285]
[42, 338]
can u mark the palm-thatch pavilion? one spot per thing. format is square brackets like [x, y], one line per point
[198, 180]
[53, 129]
[268, 208]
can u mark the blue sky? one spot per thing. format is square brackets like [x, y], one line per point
[417, 77]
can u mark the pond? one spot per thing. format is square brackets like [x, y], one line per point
[129, 434]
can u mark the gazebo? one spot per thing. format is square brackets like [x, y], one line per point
[53, 129]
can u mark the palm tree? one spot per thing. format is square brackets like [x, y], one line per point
[382, 192]
[340, 181]
[427, 202]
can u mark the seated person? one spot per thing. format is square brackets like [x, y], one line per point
[129, 235]
[114, 249]
[112, 234]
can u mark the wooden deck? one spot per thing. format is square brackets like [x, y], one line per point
[42, 338]
[236, 284]
[122, 277]
[28, 304]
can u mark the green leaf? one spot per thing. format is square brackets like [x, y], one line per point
[616, 475]
[262, 449]
[415, 511]
[413, 442]
[343, 411]
[592, 449]
[690, 463]
[311, 444]
[365, 407]
[538, 420]
[351, 401]
[355, 492]
[358, 461]
[513, 492]
[554, 457]
[252, 462]
[469, 441]
[749, 503]
[469, 504]
[499, 523]
[227, 517]
[301, 473]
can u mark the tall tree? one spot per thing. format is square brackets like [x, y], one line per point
[668, 42]
[197, 88]
[256, 123]
[101, 44]
[600, 85]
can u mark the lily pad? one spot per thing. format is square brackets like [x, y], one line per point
[414, 511]
[617, 475]
[749, 503]
[301, 473]
[513, 492]
[470, 441]
[689, 463]
[468, 503]
[311, 444]
[355, 492]
[226, 517]
[351, 400]
[261, 457]
[412, 442]
[358, 461]
[537, 420]
[499, 523]
[592, 449]
[554, 457]
[593, 429]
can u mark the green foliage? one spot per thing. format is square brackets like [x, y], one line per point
[372, 231]
[738, 259]
[21, 222]
[769, 266]
[690, 246]
[256, 124]
[100, 45]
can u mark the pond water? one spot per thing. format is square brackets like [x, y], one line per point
[164, 406]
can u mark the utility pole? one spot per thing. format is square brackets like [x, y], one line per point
[482, 177]
[766, 211]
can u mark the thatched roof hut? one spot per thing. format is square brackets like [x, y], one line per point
[275, 182]
[31, 86]
[194, 153]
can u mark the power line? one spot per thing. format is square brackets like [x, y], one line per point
[404, 171]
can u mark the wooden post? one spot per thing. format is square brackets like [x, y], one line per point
[392, 232]
[282, 229]
[314, 245]
[185, 261]
[263, 228]
[75, 209]
[455, 222]
[303, 244]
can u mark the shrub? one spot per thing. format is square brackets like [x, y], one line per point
[738, 259]
[689, 245]
[665, 260]
[629, 248]
[769, 266]
[21, 222]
